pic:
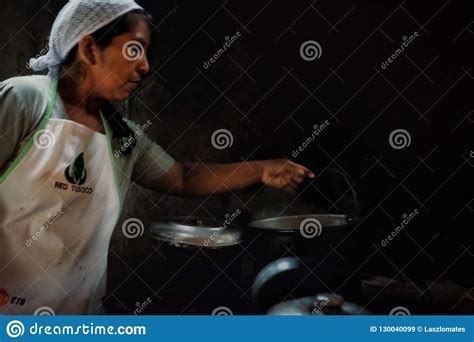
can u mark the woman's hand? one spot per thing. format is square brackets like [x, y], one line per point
[283, 174]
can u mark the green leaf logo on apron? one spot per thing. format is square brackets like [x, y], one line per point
[76, 173]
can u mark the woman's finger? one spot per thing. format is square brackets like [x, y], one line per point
[298, 166]
[293, 183]
[296, 170]
[303, 169]
[309, 173]
[298, 179]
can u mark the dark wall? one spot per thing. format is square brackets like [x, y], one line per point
[269, 98]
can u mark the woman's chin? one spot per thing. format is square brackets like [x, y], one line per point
[129, 90]
[123, 95]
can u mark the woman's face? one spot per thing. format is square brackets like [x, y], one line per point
[122, 64]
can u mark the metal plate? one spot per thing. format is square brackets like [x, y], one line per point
[196, 231]
[296, 222]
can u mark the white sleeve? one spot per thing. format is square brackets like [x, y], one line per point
[20, 112]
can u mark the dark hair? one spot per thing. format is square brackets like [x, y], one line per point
[103, 37]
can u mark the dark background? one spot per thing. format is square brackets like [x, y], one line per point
[269, 98]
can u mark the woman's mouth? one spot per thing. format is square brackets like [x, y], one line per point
[133, 85]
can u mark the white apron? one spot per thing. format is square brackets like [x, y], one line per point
[59, 204]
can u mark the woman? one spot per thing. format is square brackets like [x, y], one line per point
[67, 159]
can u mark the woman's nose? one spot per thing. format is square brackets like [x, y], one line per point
[143, 65]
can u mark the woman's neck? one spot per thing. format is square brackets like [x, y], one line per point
[80, 105]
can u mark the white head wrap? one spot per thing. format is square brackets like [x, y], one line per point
[78, 18]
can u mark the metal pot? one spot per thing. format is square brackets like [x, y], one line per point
[326, 242]
[202, 270]
[319, 305]
[292, 277]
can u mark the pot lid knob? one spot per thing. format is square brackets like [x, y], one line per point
[330, 299]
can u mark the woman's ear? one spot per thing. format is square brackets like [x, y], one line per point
[88, 50]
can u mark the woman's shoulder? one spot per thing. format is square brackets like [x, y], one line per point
[22, 104]
[23, 101]
[25, 94]
[27, 88]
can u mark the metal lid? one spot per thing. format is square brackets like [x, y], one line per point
[270, 271]
[323, 304]
[302, 222]
[196, 231]
[331, 299]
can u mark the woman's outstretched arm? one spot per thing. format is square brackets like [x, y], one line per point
[201, 179]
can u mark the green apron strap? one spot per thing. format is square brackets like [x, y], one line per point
[109, 135]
